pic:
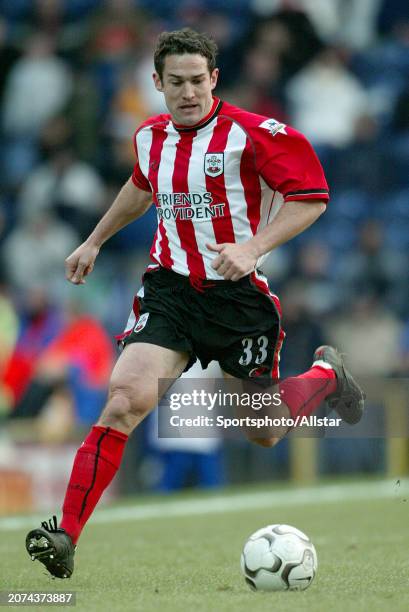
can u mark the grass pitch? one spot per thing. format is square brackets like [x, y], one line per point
[184, 554]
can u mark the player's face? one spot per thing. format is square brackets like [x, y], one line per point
[187, 86]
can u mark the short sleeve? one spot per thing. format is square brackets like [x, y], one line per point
[288, 163]
[138, 178]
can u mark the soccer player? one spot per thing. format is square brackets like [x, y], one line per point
[229, 186]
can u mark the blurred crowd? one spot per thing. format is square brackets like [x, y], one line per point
[75, 82]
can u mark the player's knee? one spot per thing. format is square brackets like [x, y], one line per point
[266, 442]
[126, 407]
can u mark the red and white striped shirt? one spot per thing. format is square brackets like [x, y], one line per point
[221, 180]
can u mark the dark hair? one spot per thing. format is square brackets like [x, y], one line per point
[184, 41]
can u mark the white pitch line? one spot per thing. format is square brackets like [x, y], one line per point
[358, 491]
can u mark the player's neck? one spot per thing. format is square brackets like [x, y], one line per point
[204, 119]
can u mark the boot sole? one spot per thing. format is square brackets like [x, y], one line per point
[40, 546]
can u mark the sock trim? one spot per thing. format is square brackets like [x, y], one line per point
[322, 364]
[94, 476]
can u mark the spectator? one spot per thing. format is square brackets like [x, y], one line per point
[9, 54]
[290, 36]
[73, 368]
[36, 248]
[363, 164]
[8, 337]
[392, 15]
[330, 116]
[69, 187]
[40, 322]
[402, 365]
[372, 268]
[368, 334]
[115, 36]
[38, 87]
[352, 22]
[259, 90]
[313, 270]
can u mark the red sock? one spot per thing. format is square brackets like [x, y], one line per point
[303, 394]
[95, 464]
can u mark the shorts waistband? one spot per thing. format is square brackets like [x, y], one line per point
[201, 284]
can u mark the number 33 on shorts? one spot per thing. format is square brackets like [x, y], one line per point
[254, 351]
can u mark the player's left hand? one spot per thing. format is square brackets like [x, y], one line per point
[234, 260]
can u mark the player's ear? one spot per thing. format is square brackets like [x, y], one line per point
[157, 81]
[213, 78]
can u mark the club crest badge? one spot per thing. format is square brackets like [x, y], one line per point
[214, 164]
[274, 126]
[141, 322]
[255, 372]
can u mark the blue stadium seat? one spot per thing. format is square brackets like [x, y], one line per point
[342, 235]
[399, 205]
[352, 205]
[397, 233]
[138, 234]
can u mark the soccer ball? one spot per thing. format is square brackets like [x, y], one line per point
[279, 558]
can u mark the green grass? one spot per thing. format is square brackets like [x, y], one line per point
[192, 562]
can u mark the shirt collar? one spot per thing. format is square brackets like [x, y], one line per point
[214, 111]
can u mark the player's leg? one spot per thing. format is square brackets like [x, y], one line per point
[327, 380]
[257, 355]
[281, 412]
[133, 393]
[141, 375]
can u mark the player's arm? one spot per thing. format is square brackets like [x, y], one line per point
[130, 203]
[288, 164]
[237, 260]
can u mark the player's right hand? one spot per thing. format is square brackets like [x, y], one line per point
[80, 263]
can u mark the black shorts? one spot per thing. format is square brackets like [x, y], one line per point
[234, 323]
